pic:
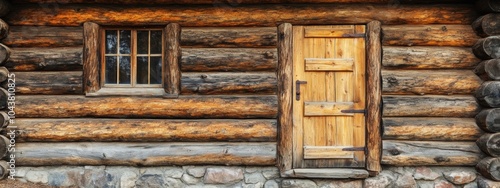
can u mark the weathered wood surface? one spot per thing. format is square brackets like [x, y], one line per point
[144, 154]
[172, 54]
[42, 36]
[91, 57]
[488, 94]
[336, 173]
[229, 37]
[489, 120]
[4, 146]
[47, 106]
[228, 83]
[490, 144]
[487, 25]
[487, 48]
[4, 119]
[4, 30]
[423, 153]
[49, 83]
[429, 82]
[428, 129]
[251, 15]
[3, 98]
[228, 59]
[45, 59]
[399, 57]
[144, 130]
[483, 182]
[4, 169]
[429, 106]
[4, 74]
[5, 53]
[428, 35]
[488, 5]
[488, 167]
[489, 69]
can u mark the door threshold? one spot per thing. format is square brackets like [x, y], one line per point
[333, 173]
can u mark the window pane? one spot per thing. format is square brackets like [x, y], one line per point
[142, 70]
[142, 42]
[155, 70]
[124, 70]
[124, 41]
[111, 41]
[110, 75]
[156, 42]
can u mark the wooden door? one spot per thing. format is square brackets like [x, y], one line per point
[329, 78]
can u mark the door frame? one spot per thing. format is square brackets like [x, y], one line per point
[373, 106]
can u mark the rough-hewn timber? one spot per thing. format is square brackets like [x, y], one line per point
[488, 120]
[42, 36]
[49, 83]
[428, 129]
[144, 130]
[487, 48]
[489, 69]
[399, 57]
[45, 59]
[429, 35]
[488, 167]
[90, 59]
[172, 54]
[487, 25]
[228, 59]
[229, 37]
[145, 154]
[490, 144]
[487, 94]
[422, 153]
[228, 83]
[429, 106]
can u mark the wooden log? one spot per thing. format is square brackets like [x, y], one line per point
[423, 153]
[488, 167]
[422, 82]
[229, 83]
[487, 25]
[397, 57]
[4, 170]
[483, 182]
[488, 94]
[332, 173]
[49, 83]
[42, 36]
[228, 59]
[487, 48]
[45, 59]
[4, 74]
[47, 106]
[3, 98]
[144, 130]
[489, 120]
[252, 15]
[429, 106]
[4, 54]
[429, 35]
[4, 146]
[145, 154]
[4, 30]
[4, 119]
[229, 37]
[91, 57]
[431, 129]
[171, 70]
[488, 5]
[489, 69]
[490, 144]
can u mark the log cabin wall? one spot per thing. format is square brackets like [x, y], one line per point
[226, 114]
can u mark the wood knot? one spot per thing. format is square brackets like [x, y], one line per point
[441, 159]
[444, 28]
[269, 55]
[203, 76]
[394, 151]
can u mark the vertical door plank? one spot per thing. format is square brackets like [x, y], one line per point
[298, 74]
[359, 94]
[331, 125]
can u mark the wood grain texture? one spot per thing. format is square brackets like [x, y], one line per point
[49, 83]
[42, 36]
[144, 130]
[47, 106]
[420, 57]
[251, 15]
[45, 59]
[337, 173]
[229, 37]
[429, 106]
[422, 82]
[424, 153]
[487, 25]
[228, 83]
[488, 69]
[91, 57]
[490, 144]
[487, 48]
[144, 154]
[228, 59]
[488, 94]
[172, 57]
[488, 120]
[429, 129]
[428, 35]
[488, 167]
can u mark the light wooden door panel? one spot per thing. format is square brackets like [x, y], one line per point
[333, 68]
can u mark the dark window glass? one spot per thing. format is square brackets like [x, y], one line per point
[156, 42]
[124, 41]
[142, 70]
[142, 42]
[111, 40]
[124, 70]
[110, 70]
[155, 70]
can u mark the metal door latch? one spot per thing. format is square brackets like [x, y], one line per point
[297, 88]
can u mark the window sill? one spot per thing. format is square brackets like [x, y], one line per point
[142, 92]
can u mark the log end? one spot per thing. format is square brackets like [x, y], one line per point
[488, 94]
[489, 120]
[488, 167]
[487, 48]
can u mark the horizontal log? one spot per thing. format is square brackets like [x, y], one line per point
[488, 120]
[53, 106]
[428, 129]
[488, 69]
[42, 36]
[490, 144]
[398, 57]
[228, 83]
[144, 130]
[422, 153]
[46, 59]
[429, 106]
[429, 82]
[428, 35]
[144, 154]
[488, 94]
[228, 59]
[251, 15]
[488, 167]
[487, 48]
[488, 5]
[487, 25]
[230, 37]
[49, 83]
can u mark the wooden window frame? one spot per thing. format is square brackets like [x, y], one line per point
[285, 109]
[93, 61]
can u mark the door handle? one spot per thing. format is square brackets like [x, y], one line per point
[297, 88]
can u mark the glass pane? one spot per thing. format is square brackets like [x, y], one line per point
[111, 41]
[142, 70]
[124, 70]
[124, 41]
[142, 42]
[155, 70]
[156, 42]
[110, 75]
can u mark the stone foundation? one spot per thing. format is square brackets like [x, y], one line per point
[247, 177]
